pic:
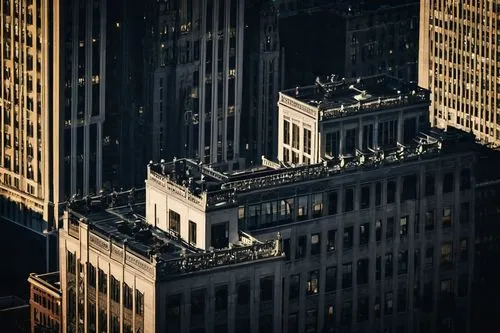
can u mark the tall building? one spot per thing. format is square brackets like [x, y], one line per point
[351, 39]
[378, 240]
[45, 303]
[457, 63]
[199, 85]
[53, 65]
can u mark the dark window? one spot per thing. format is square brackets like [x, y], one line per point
[448, 182]
[429, 220]
[346, 316]
[403, 262]
[388, 303]
[389, 228]
[192, 232]
[266, 289]
[332, 144]
[362, 309]
[365, 197]
[311, 321]
[220, 237]
[331, 278]
[378, 194]
[367, 136]
[301, 247]
[362, 273]
[409, 191]
[391, 191]
[388, 264]
[348, 236]
[447, 217]
[243, 290]
[348, 199]
[286, 132]
[91, 275]
[410, 130]
[127, 296]
[173, 313]
[378, 230]
[294, 287]
[332, 202]
[464, 213]
[376, 307]
[347, 275]
[350, 141]
[315, 243]
[198, 302]
[465, 179]
[464, 249]
[364, 234]
[221, 298]
[71, 262]
[317, 205]
[103, 282]
[403, 227]
[174, 221]
[429, 184]
[115, 289]
[286, 248]
[331, 240]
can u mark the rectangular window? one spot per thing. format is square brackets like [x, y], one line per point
[349, 199]
[174, 221]
[331, 278]
[350, 141]
[364, 234]
[391, 191]
[115, 289]
[103, 282]
[378, 194]
[331, 240]
[429, 220]
[448, 182]
[363, 309]
[367, 136]
[446, 254]
[317, 205]
[315, 243]
[362, 272]
[447, 217]
[294, 287]
[409, 191]
[388, 133]
[266, 289]
[346, 318]
[301, 247]
[91, 275]
[464, 249]
[313, 283]
[389, 228]
[465, 179]
[243, 293]
[192, 232]
[332, 144]
[403, 262]
[302, 211]
[286, 132]
[464, 213]
[332, 203]
[348, 236]
[403, 227]
[198, 303]
[378, 230]
[388, 264]
[388, 303]
[347, 275]
[295, 136]
[221, 298]
[71, 262]
[429, 184]
[365, 197]
[307, 141]
[127, 296]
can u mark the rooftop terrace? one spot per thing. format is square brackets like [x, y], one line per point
[118, 227]
[333, 96]
[187, 179]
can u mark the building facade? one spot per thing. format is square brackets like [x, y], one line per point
[457, 64]
[351, 39]
[45, 303]
[53, 105]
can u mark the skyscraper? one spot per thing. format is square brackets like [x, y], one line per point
[52, 100]
[458, 63]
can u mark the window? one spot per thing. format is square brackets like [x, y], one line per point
[311, 321]
[173, 312]
[331, 240]
[348, 235]
[401, 300]
[389, 234]
[448, 182]
[307, 141]
[429, 185]
[127, 296]
[429, 220]
[243, 290]
[286, 248]
[378, 268]
[346, 313]
[174, 221]
[463, 285]
[332, 203]
[464, 213]
[103, 282]
[331, 278]
[221, 298]
[429, 257]
[447, 217]
[362, 309]
[446, 254]
[403, 227]
[302, 211]
[362, 272]
[350, 141]
[378, 230]
[376, 307]
[409, 191]
[465, 179]
[294, 287]
[192, 232]
[367, 136]
[463, 249]
[266, 289]
[388, 303]
[301, 247]
[388, 264]
[330, 318]
[403, 262]
[198, 302]
[332, 144]
[364, 234]
[347, 275]
[317, 205]
[115, 289]
[286, 132]
[365, 196]
[71, 262]
[391, 191]
[295, 136]
[313, 283]
[315, 243]
[91, 275]
[349, 199]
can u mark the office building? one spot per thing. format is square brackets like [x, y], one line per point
[200, 93]
[351, 39]
[457, 64]
[45, 303]
[383, 241]
[53, 60]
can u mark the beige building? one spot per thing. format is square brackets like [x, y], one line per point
[52, 102]
[343, 117]
[458, 65]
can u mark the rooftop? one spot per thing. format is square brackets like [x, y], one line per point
[51, 281]
[333, 96]
[117, 223]
[212, 190]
